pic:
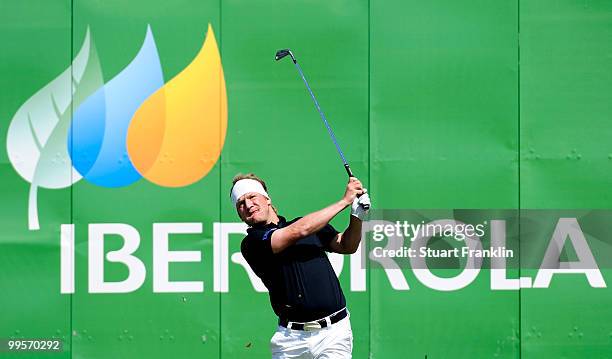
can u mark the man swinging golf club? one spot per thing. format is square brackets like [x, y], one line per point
[290, 259]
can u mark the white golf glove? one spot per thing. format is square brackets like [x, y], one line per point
[357, 209]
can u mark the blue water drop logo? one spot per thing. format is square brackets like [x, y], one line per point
[97, 137]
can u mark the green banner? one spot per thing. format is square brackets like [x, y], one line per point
[123, 124]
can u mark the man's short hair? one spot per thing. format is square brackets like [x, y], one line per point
[250, 175]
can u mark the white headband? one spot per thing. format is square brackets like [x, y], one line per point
[245, 186]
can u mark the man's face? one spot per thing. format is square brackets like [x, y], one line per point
[253, 208]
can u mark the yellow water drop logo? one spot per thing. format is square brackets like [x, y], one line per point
[176, 135]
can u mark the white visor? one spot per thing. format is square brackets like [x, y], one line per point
[245, 186]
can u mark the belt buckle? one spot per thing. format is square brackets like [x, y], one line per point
[308, 326]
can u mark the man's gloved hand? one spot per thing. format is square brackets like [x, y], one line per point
[357, 206]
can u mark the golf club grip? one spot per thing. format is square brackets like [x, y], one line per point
[348, 170]
[350, 174]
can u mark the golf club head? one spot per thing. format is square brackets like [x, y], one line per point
[282, 53]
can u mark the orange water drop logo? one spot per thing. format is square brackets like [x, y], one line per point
[176, 136]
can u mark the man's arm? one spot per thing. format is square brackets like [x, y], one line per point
[348, 241]
[313, 222]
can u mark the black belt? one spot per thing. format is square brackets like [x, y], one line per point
[315, 324]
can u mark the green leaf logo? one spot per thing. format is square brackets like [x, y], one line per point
[38, 133]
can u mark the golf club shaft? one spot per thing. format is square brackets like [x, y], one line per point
[281, 54]
[329, 130]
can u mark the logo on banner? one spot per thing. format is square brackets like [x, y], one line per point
[134, 126]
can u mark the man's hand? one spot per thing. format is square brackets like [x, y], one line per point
[358, 209]
[353, 189]
[348, 241]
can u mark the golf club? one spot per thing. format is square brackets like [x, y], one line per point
[280, 54]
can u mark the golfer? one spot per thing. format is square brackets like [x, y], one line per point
[290, 259]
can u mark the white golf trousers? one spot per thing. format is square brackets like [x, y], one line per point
[335, 341]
